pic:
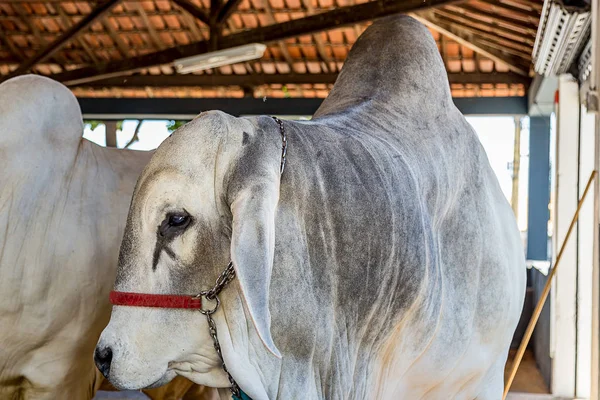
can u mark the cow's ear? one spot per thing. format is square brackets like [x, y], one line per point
[252, 250]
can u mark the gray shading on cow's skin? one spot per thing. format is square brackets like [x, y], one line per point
[385, 263]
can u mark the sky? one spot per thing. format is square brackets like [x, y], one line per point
[496, 134]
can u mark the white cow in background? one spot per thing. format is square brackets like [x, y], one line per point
[63, 204]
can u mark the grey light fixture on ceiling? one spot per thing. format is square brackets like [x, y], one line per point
[219, 58]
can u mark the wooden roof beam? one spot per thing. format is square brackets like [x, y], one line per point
[37, 34]
[226, 10]
[532, 16]
[67, 22]
[463, 38]
[114, 36]
[282, 45]
[193, 10]
[319, 43]
[513, 23]
[13, 48]
[71, 33]
[334, 19]
[151, 31]
[511, 40]
[206, 80]
[508, 32]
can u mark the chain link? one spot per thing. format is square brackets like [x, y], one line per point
[223, 280]
[213, 295]
[283, 144]
[226, 276]
[212, 327]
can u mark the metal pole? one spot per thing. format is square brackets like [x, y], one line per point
[514, 199]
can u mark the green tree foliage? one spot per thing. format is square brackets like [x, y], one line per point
[173, 125]
[93, 124]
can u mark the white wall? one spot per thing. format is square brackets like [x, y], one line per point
[564, 293]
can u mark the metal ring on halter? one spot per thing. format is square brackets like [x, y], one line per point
[203, 295]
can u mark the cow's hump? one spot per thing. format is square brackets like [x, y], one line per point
[38, 111]
[394, 67]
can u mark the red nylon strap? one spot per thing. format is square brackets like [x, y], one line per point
[154, 300]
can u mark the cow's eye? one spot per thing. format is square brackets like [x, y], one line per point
[174, 224]
[178, 220]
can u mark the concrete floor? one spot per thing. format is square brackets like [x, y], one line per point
[528, 378]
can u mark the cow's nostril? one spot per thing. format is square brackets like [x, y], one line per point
[103, 358]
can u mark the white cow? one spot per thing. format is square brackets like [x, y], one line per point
[63, 204]
[384, 263]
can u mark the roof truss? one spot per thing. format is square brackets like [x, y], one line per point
[476, 44]
[339, 17]
[71, 33]
[195, 11]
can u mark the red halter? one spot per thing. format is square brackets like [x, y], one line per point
[155, 300]
[176, 300]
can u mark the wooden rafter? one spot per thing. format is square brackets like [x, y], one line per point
[206, 80]
[503, 47]
[13, 49]
[511, 40]
[193, 10]
[337, 18]
[492, 26]
[476, 59]
[503, 20]
[227, 9]
[530, 15]
[114, 36]
[67, 22]
[462, 38]
[190, 22]
[533, 4]
[355, 27]
[318, 41]
[282, 45]
[249, 68]
[34, 30]
[215, 28]
[151, 31]
[71, 33]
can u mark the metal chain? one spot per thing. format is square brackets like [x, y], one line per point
[283, 144]
[223, 280]
[213, 295]
[234, 388]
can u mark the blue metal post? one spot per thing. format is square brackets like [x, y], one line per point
[539, 188]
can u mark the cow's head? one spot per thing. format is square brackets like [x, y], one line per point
[208, 196]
